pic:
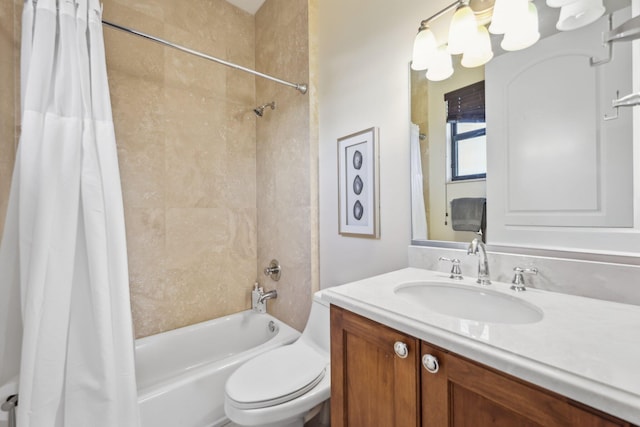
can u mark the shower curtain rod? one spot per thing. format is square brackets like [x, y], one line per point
[300, 87]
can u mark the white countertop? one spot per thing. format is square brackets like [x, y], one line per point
[583, 348]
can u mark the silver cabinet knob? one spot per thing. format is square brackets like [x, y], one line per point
[430, 363]
[401, 349]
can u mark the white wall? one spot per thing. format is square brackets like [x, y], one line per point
[364, 49]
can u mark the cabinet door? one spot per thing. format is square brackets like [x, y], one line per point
[466, 394]
[371, 386]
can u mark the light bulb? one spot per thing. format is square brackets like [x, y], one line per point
[462, 30]
[424, 48]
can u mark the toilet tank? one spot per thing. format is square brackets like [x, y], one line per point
[316, 332]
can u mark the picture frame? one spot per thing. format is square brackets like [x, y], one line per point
[358, 184]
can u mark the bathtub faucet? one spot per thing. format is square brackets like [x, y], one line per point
[267, 295]
[259, 298]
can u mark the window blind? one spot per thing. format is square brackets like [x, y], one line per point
[466, 104]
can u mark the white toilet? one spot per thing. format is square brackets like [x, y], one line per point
[287, 386]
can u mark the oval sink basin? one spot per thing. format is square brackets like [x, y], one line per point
[469, 303]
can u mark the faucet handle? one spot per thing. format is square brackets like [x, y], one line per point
[518, 277]
[456, 273]
[273, 270]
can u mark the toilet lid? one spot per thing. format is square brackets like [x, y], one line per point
[277, 376]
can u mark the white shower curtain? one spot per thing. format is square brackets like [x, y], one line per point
[418, 211]
[66, 320]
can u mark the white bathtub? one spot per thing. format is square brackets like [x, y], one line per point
[181, 373]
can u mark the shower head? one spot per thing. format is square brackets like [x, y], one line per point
[260, 110]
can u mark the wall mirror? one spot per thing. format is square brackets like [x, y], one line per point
[559, 158]
[435, 154]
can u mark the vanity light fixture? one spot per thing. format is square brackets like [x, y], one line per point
[517, 20]
[468, 35]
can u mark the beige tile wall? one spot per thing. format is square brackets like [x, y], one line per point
[189, 160]
[287, 159]
[9, 90]
[186, 145]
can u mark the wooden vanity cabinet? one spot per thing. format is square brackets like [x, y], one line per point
[372, 386]
[463, 393]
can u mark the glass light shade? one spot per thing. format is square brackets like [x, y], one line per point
[500, 18]
[462, 30]
[524, 34]
[508, 14]
[424, 49]
[441, 68]
[559, 3]
[480, 52]
[579, 13]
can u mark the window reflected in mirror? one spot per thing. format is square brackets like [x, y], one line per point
[450, 115]
[468, 150]
[466, 132]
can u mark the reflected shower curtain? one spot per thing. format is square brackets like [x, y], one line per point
[418, 211]
[66, 319]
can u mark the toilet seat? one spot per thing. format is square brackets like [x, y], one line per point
[276, 377]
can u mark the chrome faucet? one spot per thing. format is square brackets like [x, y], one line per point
[476, 247]
[518, 277]
[267, 295]
[456, 273]
[259, 298]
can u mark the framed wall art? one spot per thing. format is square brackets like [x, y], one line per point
[358, 197]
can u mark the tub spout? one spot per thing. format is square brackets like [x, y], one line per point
[259, 298]
[268, 295]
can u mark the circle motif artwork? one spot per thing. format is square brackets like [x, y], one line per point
[358, 210]
[357, 160]
[358, 185]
